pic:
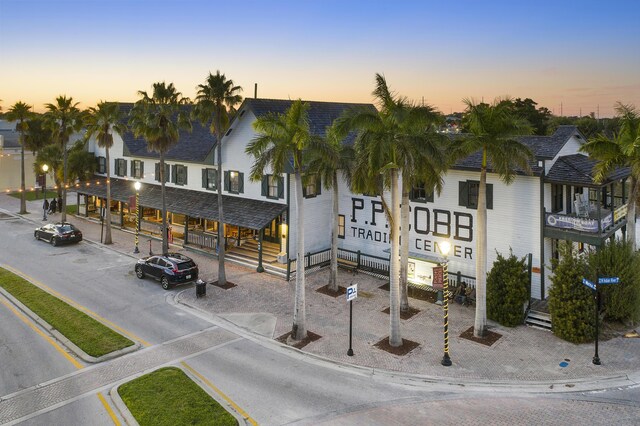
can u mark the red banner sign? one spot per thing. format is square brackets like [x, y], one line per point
[438, 278]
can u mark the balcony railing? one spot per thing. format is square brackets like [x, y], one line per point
[591, 224]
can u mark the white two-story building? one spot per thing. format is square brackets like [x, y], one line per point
[559, 201]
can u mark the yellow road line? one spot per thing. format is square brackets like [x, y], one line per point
[219, 392]
[76, 305]
[109, 409]
[47, 338]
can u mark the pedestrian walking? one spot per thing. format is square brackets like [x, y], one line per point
[60, 204]
[52, 206]
[45, 205]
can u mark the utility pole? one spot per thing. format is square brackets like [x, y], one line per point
[561, 115]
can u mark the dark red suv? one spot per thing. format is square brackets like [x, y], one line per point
[170, 270]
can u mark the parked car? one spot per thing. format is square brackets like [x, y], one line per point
[58, 233]
[170, 270]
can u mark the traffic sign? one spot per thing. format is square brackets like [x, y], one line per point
[352, 292]
[609, 280]
[589, 284]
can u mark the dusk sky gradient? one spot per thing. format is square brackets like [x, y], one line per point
[578, 53]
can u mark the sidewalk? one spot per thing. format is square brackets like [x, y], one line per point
[263, 304]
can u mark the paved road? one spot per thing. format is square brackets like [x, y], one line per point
[272, 385]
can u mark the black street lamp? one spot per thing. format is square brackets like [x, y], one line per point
[45, 169]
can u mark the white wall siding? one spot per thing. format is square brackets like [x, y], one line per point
[514, 222]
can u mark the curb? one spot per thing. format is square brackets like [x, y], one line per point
[64, 340]
[131, 421]
[419, 380]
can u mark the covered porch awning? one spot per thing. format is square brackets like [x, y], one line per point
[242, 212]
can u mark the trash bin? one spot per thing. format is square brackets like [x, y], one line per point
[201, 288]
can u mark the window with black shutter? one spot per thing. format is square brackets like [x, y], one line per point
[234, 182]
[420, 194]
[272, 186]
[120, 167]
[137, 169]
[167, 172]
[468, 194]
[312, 187]
[209, 179]
[102, 165]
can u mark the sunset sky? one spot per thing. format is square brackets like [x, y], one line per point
[581, 54]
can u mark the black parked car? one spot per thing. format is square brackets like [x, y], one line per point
[58, 233]
[172, 269]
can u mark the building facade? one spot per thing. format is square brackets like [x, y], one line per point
[559, 201]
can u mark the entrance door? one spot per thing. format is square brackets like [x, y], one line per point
[272, 231]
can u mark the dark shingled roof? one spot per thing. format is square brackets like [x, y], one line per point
[542, 147]
[321, 114]
[246, 213]
[577, 169]
[192, 146]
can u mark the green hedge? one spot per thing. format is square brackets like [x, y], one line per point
[571, 303]
[508, 289]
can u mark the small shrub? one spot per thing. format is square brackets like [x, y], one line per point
[570, 302]
[620, 302]
[507, 290]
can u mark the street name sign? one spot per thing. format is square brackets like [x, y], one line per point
[609, 280]
[352, 292]
[589, 284]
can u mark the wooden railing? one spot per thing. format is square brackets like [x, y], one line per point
[202, 240]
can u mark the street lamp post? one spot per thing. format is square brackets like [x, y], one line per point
[45, 169]
[445, 247]
[137, 187]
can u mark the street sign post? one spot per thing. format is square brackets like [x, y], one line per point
[352, 293]
[601, 281]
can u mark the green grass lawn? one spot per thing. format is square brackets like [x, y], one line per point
[169, 397]
[35, 195]
[72, 209]
[88, 334]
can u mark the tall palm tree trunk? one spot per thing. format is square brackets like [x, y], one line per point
[333, 277]
[299, 329]
[395, 339]
[165, 230]
[481, 257]
[404, 248]
[107, 236]
[631, 212]
[23, 200]
[63, 205]
[222, 274]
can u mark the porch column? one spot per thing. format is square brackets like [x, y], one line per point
[86, 205]
[260, 268]
[121, 213]
[186, 229]
[599, 201]
[238, 239]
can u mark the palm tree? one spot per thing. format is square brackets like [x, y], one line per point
[387, 143]
[20, 112]
[282, 139]
[64, 118]
[622, 150]
[425, 161]
[102, 121]
[38, 135]
[328, 156]
[492, 131]
[216, 102]
[158, 119]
